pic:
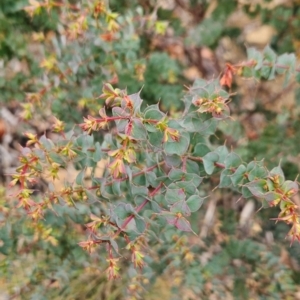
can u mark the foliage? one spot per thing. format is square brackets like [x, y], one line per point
[65, 74]
[159, 161]
[155, 166]
[63, 69]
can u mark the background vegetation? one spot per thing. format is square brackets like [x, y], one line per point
[54, 60]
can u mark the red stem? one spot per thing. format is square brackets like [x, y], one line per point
[150, 121]
[138, 209]
[24, 170]
[108, 119]
[200, 159]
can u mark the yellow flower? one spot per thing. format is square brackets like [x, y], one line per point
[117, 168]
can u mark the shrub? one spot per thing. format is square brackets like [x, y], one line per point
[155, 164]
[142, 173]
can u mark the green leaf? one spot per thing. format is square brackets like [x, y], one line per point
[80, 177]
[140, 224]
[232, 161]
[91, 197]
[181, 207]
[87, 161]
[138, 190]
[151, 179]
[187, 100]
[194, 202]
[258, 188]
[199, 83]
[174, 124]
[180, 223]
[290, 187]
[192, 167]
[187, 186]
[278, 171]
[200, 92]
[183, 224]
[270, 185]
[160, 199]
[178, 147]
[270, 56]
[224, 114]
[176, 174]
[139, 180]
[209, 161]
[6, 240]
[69, 134]
[246, 192]
[120, 112]
[238, 176]
[191, 123]
[251, 165]
[137, 102]
[208, 127]
[47, 143]
[85, 142]
[138, 130]
[257, 172]
[120, 212]
[201, 150]
[174, 194]
[225, 180]
[97, 155]
[57, 158]
[114, 245]
[139, 199]
[193, 178]
[155, 207]
[173, 160]
[222, 151]
[116, 188]
[156, 139]
[272, 197]
[298, 81]
[152, 113]
[288, 60]
[255, 55]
